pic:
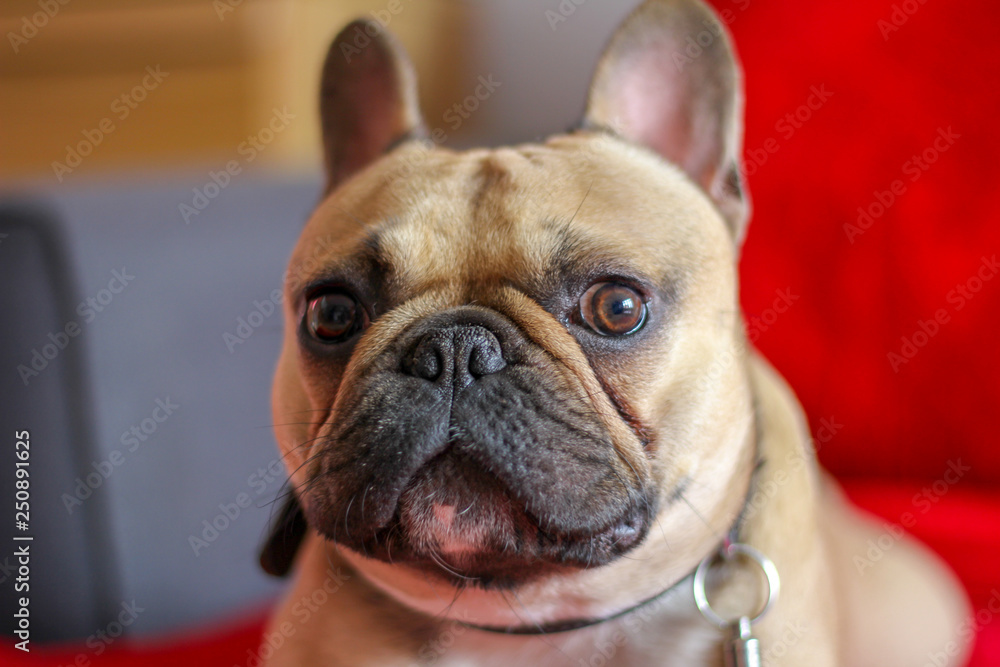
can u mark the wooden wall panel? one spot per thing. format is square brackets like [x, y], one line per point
[228, 66]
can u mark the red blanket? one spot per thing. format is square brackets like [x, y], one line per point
[875, 209]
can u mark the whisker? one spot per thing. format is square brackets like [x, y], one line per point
[441, 564]
[698, 514]
[347, 528]
[289, 424]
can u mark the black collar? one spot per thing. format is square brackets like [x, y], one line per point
[569, 625]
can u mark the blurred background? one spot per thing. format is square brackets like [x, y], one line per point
[157, 160]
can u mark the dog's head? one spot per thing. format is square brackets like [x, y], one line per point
[509, 367]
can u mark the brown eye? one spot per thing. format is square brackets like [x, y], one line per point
[611, 309]
[335, 317]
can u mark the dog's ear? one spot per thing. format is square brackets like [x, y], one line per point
[368, 99]
[286, 534]
[669, 80]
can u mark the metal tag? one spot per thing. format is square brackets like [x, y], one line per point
[742, 649]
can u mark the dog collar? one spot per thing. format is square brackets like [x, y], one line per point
[570, 625]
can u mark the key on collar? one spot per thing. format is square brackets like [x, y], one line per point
[741, 649]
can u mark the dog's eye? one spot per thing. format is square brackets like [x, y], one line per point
[335, 316]
[611, 309]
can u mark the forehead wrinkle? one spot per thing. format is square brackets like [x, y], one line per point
[458, 228]
[358, 265]
[574, 250]
[376, 248]
[342, 254]
[482, 221]
[420, 252]
[508, 219]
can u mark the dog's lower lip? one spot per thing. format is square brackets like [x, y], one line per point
[498, 502]
[492, 491]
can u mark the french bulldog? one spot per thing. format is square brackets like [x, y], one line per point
[518, 406]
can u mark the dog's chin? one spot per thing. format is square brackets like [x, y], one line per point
[456, 522]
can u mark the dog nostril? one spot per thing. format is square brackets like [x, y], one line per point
[425, 362]
[486, 357]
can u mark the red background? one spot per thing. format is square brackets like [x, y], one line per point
[856, 300]
[892, 92]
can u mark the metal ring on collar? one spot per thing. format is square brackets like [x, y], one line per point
[728, 552]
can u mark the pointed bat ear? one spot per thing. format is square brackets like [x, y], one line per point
[650, 91]
[286, 534]
[368, 99]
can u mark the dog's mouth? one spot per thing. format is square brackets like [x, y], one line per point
[457, 521]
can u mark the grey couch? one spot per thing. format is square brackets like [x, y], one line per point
[137, 350]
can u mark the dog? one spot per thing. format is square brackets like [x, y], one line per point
[519, 411]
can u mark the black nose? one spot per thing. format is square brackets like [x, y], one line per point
[463, 353]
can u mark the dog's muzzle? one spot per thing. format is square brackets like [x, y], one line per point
[468, 448]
